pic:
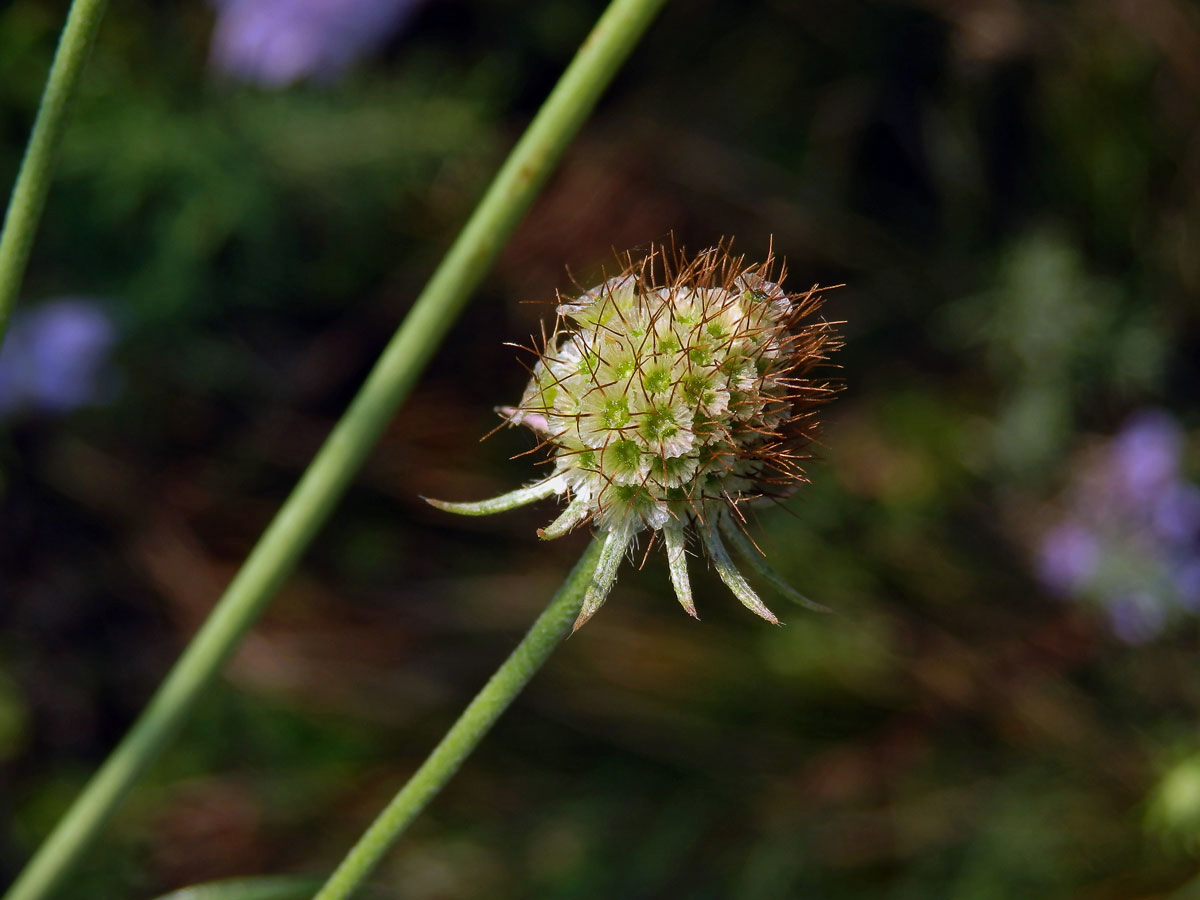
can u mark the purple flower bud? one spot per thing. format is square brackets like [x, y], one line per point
[1176, 514]
[1137, 618]
[1068, 557]
[1144, 455]
[54, 357]
[1187, 584]
[274, 43]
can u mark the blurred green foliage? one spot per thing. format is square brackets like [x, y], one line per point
[1009, 191]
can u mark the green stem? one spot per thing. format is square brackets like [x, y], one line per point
[481, 714]
[303, 513]
[33, 179]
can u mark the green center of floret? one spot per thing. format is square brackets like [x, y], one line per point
[615, 413]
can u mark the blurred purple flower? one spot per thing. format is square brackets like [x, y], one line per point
[55, 356]
[1068, 557]
[1129, 538]
[275, 43]
[1176, 513]
[1145, 455]
[1136, 618]
[1187, 585]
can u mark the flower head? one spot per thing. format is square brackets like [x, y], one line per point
[668, 396]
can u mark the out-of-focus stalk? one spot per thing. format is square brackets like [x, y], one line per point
[37, 166]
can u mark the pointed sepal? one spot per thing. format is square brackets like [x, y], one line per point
[605, 576]
[677, 564]
[733, 579]
[576, 513]
[751, 555]
[503, 503]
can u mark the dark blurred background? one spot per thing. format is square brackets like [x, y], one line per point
[1005, 519]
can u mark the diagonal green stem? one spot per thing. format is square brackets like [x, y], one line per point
[297, 522]
[481, 714]
[33, 179]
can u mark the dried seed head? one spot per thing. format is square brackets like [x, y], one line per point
[669, 395]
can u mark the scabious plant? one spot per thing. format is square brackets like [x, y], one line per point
[668, 397]
[1129, 537]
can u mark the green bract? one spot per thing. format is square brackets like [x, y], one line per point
[665, 405]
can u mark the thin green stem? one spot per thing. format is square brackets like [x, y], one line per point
[326, 479]
[33, 180]
[481, 714]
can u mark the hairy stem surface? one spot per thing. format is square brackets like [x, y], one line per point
[33, 179]
[326, 479]
[481, 714]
